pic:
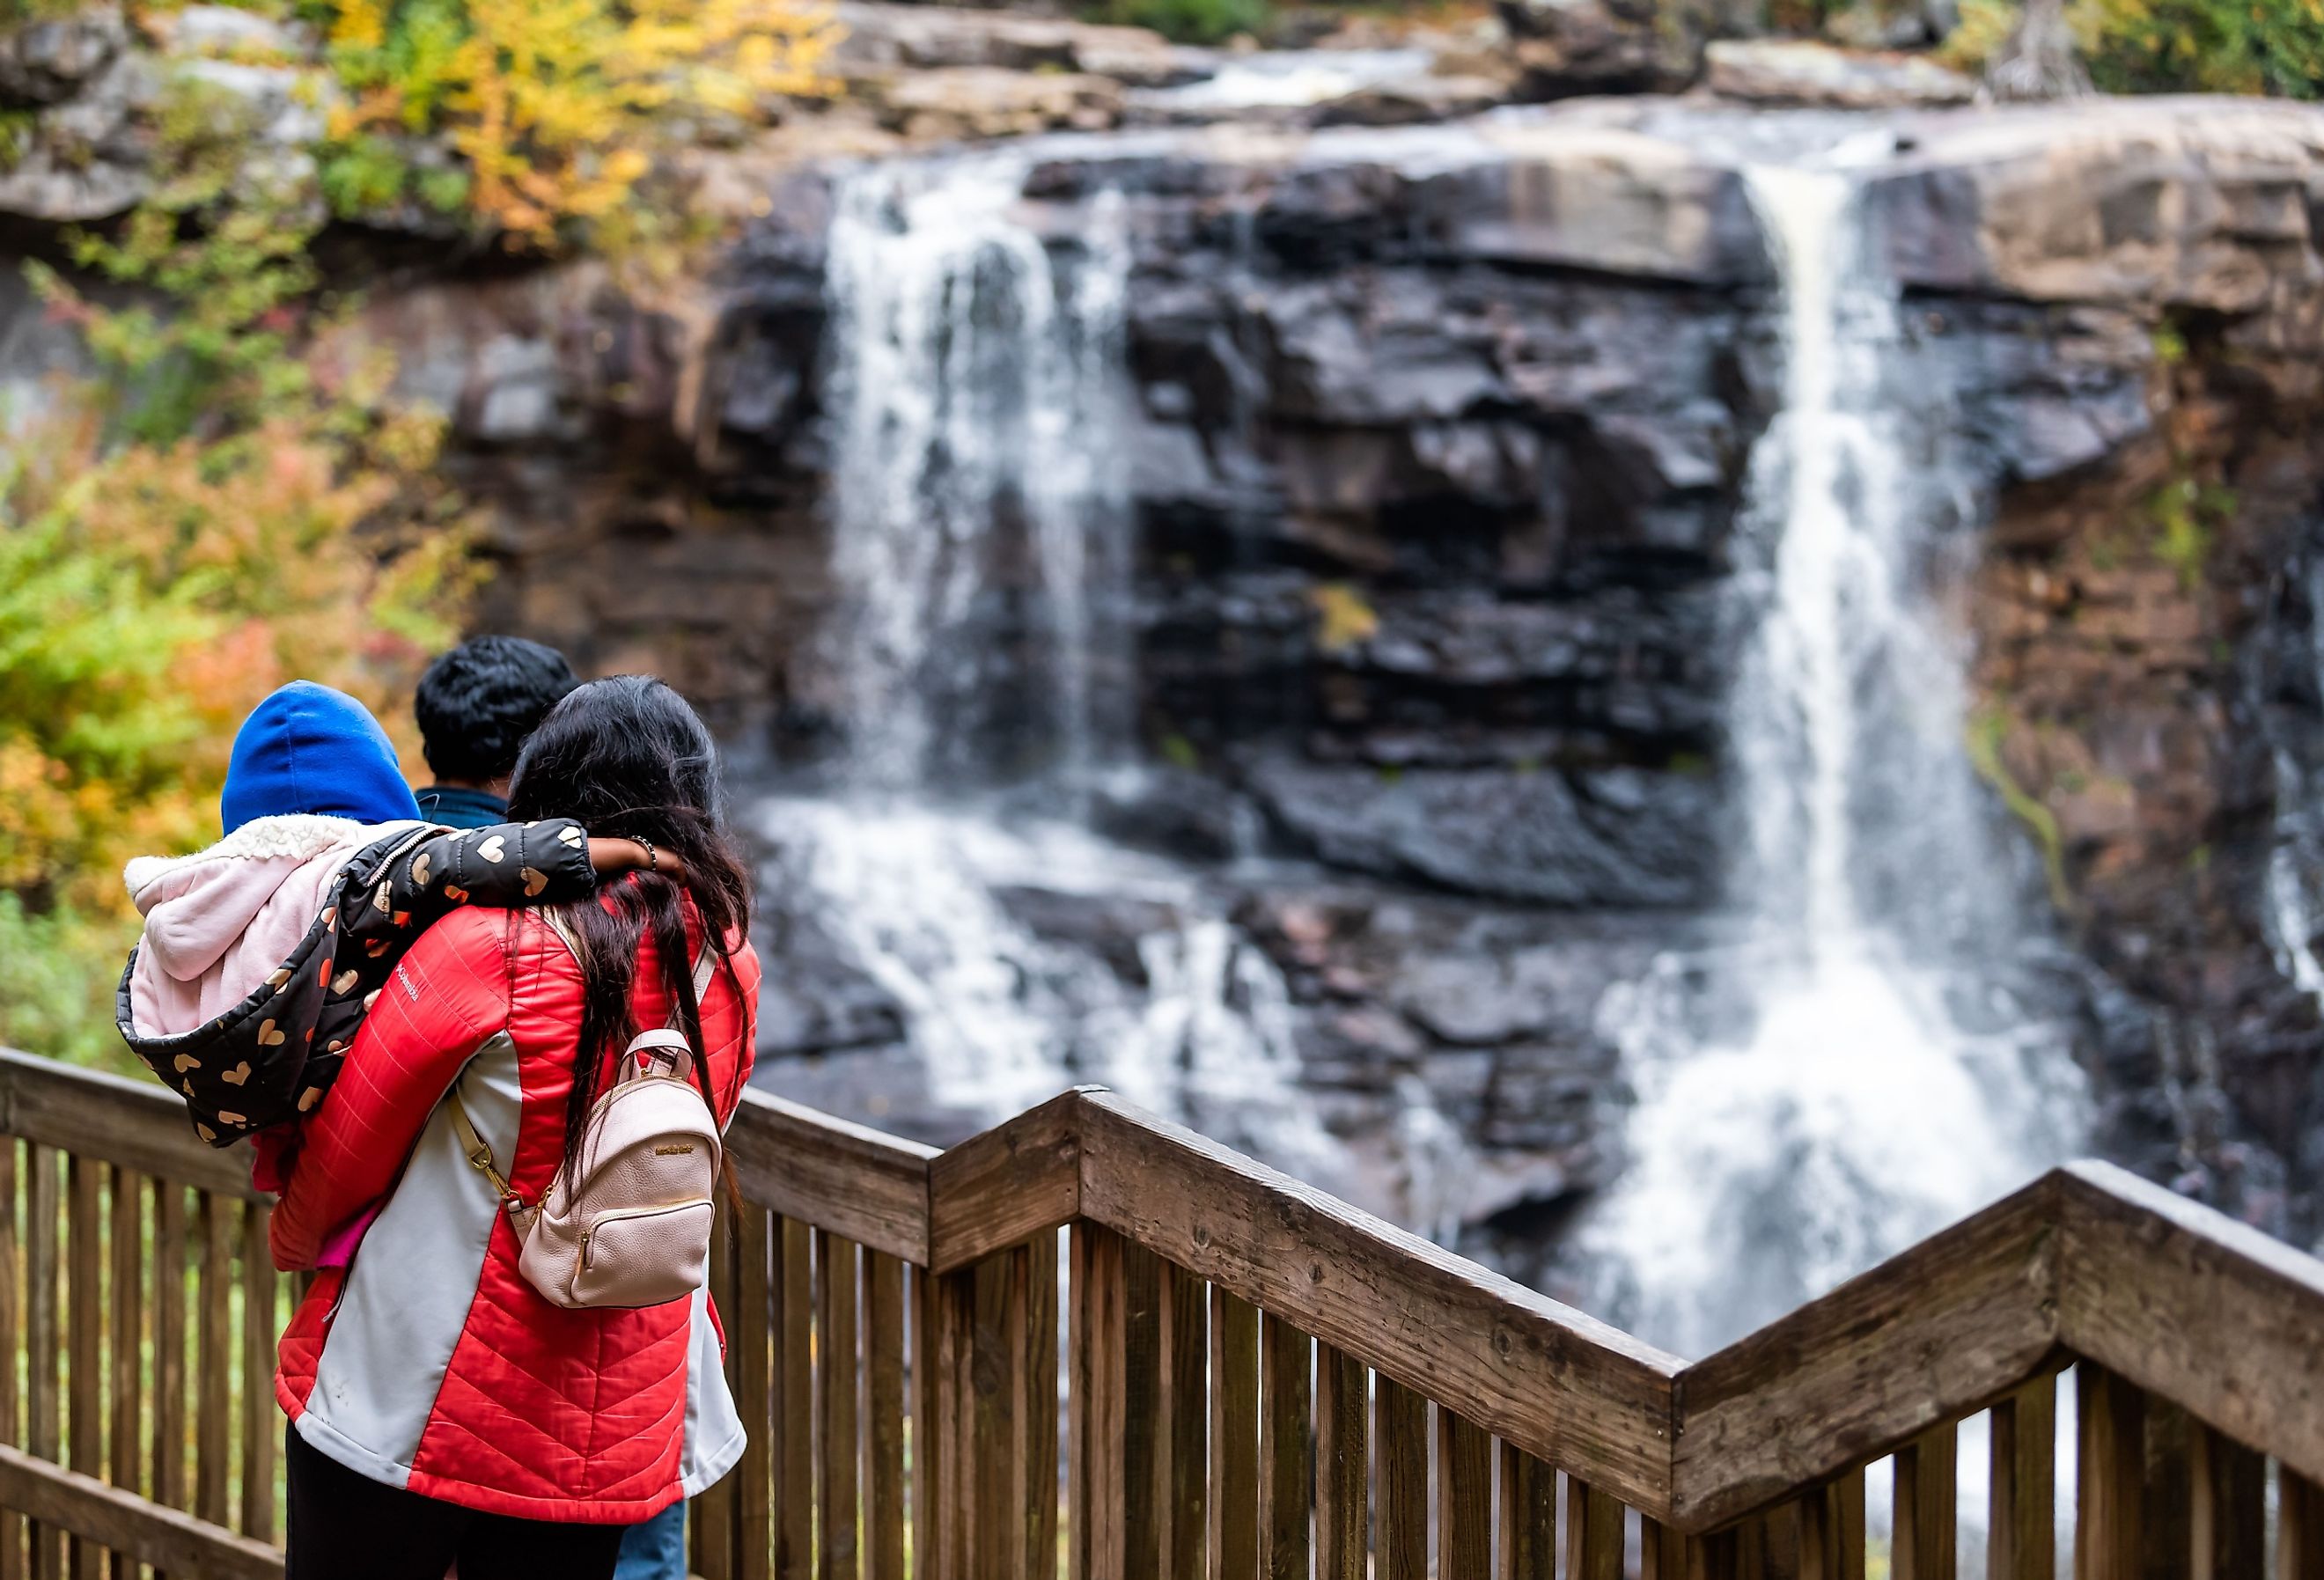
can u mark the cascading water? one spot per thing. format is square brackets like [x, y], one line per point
[980, 554]
[1853, 1073]
[979, 531]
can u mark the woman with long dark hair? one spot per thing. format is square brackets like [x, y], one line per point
[442, 1409]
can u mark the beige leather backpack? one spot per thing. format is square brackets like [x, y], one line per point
[628, 1223]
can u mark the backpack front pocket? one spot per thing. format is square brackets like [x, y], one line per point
[646, 1256]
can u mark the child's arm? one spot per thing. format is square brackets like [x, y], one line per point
[447, 996]
[549, 863]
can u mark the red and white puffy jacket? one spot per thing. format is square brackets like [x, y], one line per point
[431, 1363]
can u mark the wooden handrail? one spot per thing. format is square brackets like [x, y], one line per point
[2088, 1261]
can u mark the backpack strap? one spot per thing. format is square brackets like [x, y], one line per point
[479, 1154]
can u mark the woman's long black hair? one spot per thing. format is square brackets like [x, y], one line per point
[627, 758]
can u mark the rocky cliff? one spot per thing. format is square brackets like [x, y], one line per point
[1436, 448]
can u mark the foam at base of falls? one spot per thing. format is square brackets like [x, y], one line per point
[1000, 1017]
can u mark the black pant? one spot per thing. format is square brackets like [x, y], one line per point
[348, 1527]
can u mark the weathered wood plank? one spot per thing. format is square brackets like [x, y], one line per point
[712, 1514]
[85, 1338]
[2299, 1528]
[2166, 1513]
[1594, 1533]
[179, 1543]
[928, 1466]
[2186, 1303]
[1972, 1307]
[1286, 1442]
[1926, 1513]
[12, 1339]
[1142, 1451]
[44, 1384]
[884, 1491]
[213, 1344]
[169, 1330]
[750, 1338]
[1464, 1500]
[2227, 1509]
[1528, 1517]
[261, 1422]
[1400, 1499]
[1343, 1463]
[1001, 1187]
[1186, 1418]
[1234, 1437]
[848, 1179]
[837, 1378]
[113, 1119]
[2111, 1475]
[2022, 1519]
[792, 1400]
[1012, 1377]
[124, 1336]
[1099, 1403]
[1558, 1383]
[952, 1314]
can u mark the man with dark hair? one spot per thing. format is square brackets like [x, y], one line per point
[476, 705]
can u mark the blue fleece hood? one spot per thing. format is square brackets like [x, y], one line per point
[308, 748]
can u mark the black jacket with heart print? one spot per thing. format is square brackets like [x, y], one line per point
[271, 1054]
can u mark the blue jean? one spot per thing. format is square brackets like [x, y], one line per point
[655, 1549]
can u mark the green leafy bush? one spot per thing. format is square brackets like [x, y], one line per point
[1188, 21]
[2172, 46]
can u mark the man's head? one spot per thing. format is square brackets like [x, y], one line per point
[477, 704]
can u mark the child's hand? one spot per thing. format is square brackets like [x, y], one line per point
[630, 856]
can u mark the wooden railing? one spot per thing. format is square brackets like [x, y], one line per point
[1253, 1379]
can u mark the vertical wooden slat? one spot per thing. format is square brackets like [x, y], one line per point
[1926, 1511]
[170, 1327]
[2300, 1527]
[1286, 1428]
[793, 1404]
[2021, 1525]
[85, 1338]
[1529, 1517]
[2228, 1508]
[2111, 1475]
[1845, 1497]
[1662, 1552]
[2166, 1521]
[1343, 1461]
[213, 1420]
[835, 1380]
[751, 1335]
[124, 1333]
[1144, 1458]
[1100, 1491]
[258, 1413]
[996, 1472]
[1464, 1498]
[953, 1317]
[1400, 1429]
[1033, 1303]
[713, 1514]
[927, 1452]
[1594, 1533]
[1186, 1416]
[12, 1526]
[1234, 1438]
[42, 1340]
[883, 1433]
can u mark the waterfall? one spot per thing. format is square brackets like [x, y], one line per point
[980, 637]
[1852, 1073]
[979, 527]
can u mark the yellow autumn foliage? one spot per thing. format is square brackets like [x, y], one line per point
[552, 106]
